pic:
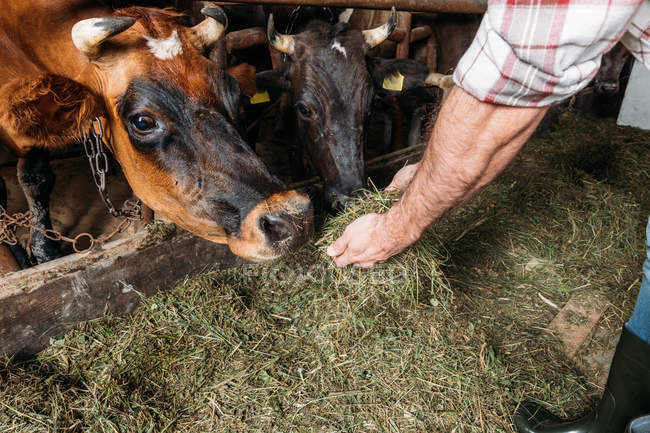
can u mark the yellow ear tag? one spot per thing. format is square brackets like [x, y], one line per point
[394, 82]
[260, 97]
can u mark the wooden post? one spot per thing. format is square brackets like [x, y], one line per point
[8, 262]
[404, 23]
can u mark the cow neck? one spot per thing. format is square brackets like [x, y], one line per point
[50, 47]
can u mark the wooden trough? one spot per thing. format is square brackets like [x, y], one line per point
[46, 300]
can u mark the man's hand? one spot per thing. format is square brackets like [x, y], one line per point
[471, 143]
[370, 239]
[403, 177]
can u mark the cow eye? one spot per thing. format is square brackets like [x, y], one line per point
[302, 109]
[142, 123]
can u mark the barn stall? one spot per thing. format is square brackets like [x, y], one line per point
[298, 345]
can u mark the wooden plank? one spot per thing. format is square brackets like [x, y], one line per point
[576, 321]
[46, 300]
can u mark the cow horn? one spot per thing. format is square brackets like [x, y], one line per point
[212, 27]
[88, 35]
[445, 82]
[282, 43]
[379, 34]
[344, 17]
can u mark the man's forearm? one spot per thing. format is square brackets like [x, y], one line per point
[471, 143]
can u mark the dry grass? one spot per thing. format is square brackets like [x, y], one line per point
[301, 346]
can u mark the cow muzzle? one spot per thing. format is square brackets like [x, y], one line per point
[338, 199]
[276, 225]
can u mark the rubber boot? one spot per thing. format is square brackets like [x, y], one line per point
[639, 425]
[626, 396]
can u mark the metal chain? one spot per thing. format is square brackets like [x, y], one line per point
[9, 223]
[94, 146]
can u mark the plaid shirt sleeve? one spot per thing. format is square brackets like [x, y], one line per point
[532, 53]
[637, 37]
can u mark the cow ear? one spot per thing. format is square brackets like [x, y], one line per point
[397, 75]
[47, 110]
[270, 85]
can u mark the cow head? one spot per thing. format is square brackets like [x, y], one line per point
[171, 116]
[607, 80]
[332, 84]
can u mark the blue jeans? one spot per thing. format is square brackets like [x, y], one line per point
[639, 323]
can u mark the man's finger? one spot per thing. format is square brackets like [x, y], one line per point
[395, 184]
[392, 187]
[338, 246]
[343, 260]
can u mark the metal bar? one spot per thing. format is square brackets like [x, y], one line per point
[447, 6]
[419, 33]
[245, 38]
[432, 52]
[397, 35]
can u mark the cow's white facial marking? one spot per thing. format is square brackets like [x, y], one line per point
[165, 49]
[336, 46]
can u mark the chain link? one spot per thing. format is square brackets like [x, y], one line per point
[10, 223]
[94, 146]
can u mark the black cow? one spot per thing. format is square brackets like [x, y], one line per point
[329, 84]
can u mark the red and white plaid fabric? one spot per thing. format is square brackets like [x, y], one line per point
[536, 52]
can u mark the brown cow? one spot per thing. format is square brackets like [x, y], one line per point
[168, 111]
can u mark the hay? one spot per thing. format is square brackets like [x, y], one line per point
[299, 345]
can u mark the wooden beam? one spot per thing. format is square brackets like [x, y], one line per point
[446, 6]
[46, 300]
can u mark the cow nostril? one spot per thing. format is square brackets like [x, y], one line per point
[276, 227]
[339, 202]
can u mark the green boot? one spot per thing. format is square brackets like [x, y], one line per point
[626, 396]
